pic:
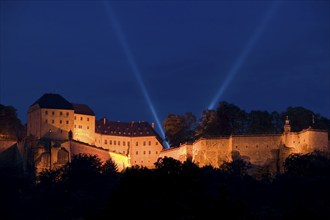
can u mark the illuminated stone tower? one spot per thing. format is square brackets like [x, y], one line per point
[51, 116]
[287, 126]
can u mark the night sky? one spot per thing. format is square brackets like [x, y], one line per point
[132, 60]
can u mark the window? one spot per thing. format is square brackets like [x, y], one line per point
[52, 121]
[46, 121]
[81, 118]
[137, 144]
[156, 143]
[87, 127]
[110, 141]
[87, 119]
[144, 143]
[123, 143]
[156, 152]
[46, 112]
[75, 117]
[60, 121]
[149, 143]
[137, 152]
[61, 113]
[118, 142]
[53, 113]
[144, 152]
[114, 142]
[67, 114]
[105, 142]
[67, 122]
[149, 151]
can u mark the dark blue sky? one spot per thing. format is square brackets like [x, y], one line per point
[260, 55]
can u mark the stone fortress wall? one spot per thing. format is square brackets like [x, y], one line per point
[262, 149]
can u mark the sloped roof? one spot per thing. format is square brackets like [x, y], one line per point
[131, 129]
[53, 101]
[82, 109]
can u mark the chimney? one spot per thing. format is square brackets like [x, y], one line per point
[153, 125]
[104, 120]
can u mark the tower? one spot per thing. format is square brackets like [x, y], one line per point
[287, 126]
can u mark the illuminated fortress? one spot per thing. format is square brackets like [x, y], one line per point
[72, 129]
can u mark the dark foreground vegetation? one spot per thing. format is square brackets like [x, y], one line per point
[88, 189]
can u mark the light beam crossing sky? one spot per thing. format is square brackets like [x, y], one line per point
[242, 57]
[133, 65]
